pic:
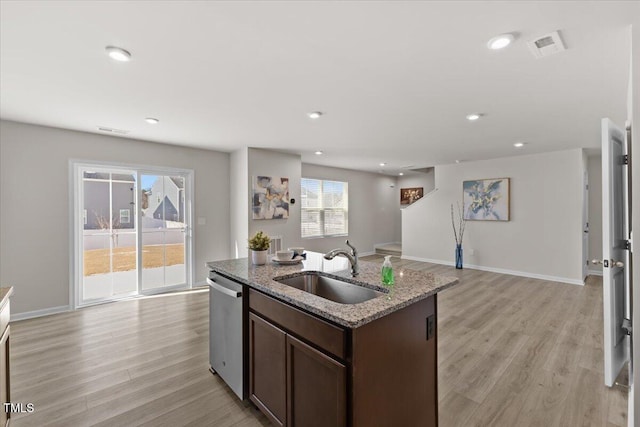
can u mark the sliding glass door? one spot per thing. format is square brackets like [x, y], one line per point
[164, 231]
[132, 232]
[109, 241]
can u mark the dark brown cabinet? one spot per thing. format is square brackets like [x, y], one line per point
[316, 387]
[307, 372]
[267, 369]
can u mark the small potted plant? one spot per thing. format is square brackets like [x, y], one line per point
[259, 244]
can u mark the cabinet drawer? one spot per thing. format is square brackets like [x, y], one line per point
[323, 334]
[5, 315]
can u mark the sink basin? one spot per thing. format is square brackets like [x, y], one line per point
[329, 288]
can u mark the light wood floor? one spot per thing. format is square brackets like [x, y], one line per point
[512, 352]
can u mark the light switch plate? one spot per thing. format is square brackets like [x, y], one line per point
[202, 220]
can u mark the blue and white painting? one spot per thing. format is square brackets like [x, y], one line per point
[486, 199]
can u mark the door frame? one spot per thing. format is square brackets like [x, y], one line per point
[586, 229]
[75, 237]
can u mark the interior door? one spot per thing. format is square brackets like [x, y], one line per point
[615, 252]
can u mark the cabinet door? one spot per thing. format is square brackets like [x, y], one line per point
[4, 376]
[316, 387]
[267, 369]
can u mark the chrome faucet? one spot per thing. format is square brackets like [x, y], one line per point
[352, 256]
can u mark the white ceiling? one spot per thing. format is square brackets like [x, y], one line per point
[395, 79]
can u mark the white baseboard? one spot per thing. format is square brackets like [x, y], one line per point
[595, 272]
[500, 270]
[366, 253]
[39, 313]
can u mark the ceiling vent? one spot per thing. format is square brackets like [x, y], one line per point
[112, 130]
[546, 45]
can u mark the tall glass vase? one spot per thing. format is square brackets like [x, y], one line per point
[459, 257]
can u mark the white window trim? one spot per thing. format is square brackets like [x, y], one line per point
[322, 211]
[128, 216]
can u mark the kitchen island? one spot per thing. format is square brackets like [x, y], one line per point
[312, 361]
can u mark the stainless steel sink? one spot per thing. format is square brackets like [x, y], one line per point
[332, 289]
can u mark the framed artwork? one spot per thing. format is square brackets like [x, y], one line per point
[410, 195]
[270, 198]
[486, 199]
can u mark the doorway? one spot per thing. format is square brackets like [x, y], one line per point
[131, 231]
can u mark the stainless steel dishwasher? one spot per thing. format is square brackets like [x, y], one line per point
[227, 332]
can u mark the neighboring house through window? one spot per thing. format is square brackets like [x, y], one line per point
[324, 208]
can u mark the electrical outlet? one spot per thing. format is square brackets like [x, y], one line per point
[431, 326]
[471, 251]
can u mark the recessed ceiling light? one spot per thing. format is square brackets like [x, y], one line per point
[501, 41]
[315, 114]
[383, 164]
[457, 161]
[519, 144]
[473, 117]
[319, 153]
[401, 174]
[118, 54]
[152, 121]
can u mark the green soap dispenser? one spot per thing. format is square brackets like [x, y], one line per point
[387, 271]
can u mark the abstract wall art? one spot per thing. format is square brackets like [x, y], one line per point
[486, 199]
[270, 199]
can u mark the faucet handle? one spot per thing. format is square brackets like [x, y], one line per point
[354, 251]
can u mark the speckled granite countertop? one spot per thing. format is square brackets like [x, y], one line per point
[410, 286]
[5, 293]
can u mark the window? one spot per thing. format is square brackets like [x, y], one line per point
[124, 216]
[324, 208]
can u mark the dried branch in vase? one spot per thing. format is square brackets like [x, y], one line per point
[458, 232]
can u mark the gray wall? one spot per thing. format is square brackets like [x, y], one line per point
[413, 179]
[276, 164]
[34, 172]
[373, 208]
[239, 202]
[542, 239]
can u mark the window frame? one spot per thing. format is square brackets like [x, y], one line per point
[128, 215]
[322, 210]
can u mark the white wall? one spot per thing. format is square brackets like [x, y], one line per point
[544, 236]
[594, 168]
[426, 180]
[373, 208]
[34, 195]
[276, 164]
[239, 202]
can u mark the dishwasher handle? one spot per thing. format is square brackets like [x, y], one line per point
[226, 291]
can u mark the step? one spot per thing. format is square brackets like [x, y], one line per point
[393, 249]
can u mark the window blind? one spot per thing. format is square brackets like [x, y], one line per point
[324, 208]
